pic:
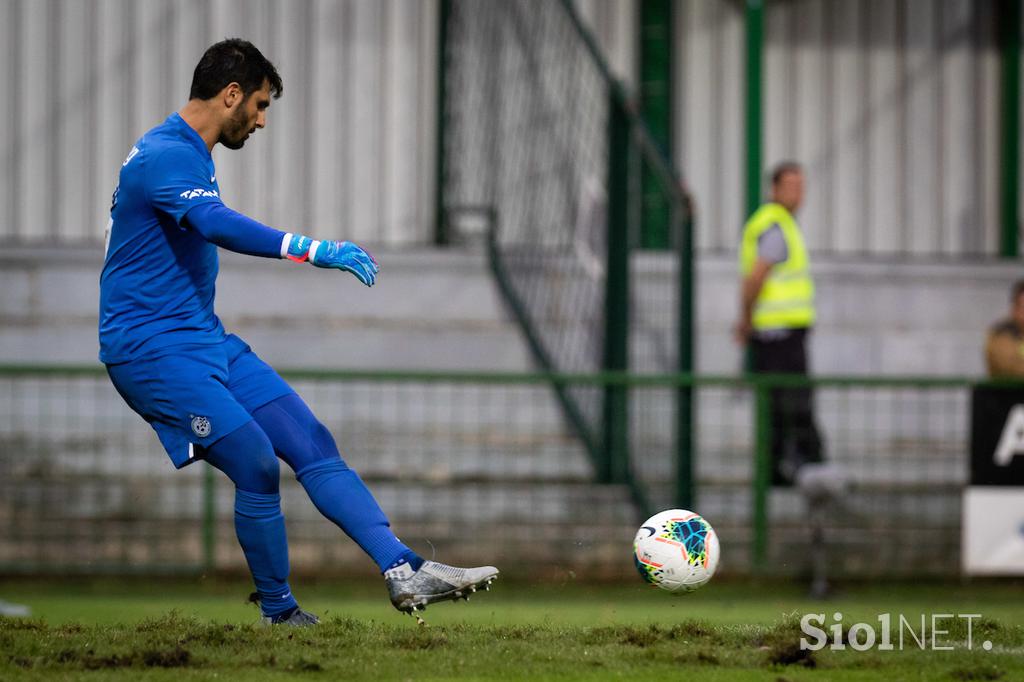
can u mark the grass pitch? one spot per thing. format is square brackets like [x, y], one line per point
[197, 630]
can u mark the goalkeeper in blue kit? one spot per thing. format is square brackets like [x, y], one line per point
[207, 395]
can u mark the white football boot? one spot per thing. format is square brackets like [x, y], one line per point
[411, 591]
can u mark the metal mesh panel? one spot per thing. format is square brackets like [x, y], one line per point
[904, 450]
[479, 471]
[539, 138]
[526, 136]
[482, 468]
[901, 449]
[84, 483]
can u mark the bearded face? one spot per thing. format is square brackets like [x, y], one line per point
[245, 117]
[237, 128]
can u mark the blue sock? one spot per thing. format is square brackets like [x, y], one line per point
[410, 557]
[342, 497]
[259, 525]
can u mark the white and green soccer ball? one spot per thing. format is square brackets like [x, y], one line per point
[676, 550]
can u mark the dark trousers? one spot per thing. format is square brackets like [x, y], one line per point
[795, 437]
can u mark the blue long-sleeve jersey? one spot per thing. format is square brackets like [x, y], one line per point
[158, 281]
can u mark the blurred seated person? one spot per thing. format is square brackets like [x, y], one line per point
[1004, 349]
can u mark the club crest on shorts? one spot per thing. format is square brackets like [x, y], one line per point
[201, 426]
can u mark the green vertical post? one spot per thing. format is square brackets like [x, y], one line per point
[615, 466]
[209, 519]
[755, 46]
[441, 235]
[762, 472]
[685, 435]
[655, 96]
[1010, 20]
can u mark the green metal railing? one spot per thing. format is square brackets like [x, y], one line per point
[1009, 180]
[484, 466]
[754, 40]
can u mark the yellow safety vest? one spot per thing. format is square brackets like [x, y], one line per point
[786, 300]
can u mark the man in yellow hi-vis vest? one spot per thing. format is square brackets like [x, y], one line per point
[776, 315]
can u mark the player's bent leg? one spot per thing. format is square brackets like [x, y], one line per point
[340, 495]
[336, 490]
[247, 457]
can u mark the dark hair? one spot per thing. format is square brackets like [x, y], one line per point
[783, 168]
[233, 61]
[1016, 291]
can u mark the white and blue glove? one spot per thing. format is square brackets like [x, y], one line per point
[331, 254]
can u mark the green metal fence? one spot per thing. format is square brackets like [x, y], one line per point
[483, 467]
[543, 141]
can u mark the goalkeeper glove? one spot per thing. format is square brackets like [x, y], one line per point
[331, 254]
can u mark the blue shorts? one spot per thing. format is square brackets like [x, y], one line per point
[193, 396]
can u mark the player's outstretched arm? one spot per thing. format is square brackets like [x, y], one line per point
[233, 231]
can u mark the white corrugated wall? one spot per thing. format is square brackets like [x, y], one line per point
[348, 150]
[892, 106]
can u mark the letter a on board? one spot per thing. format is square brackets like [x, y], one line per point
[1011, 443]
